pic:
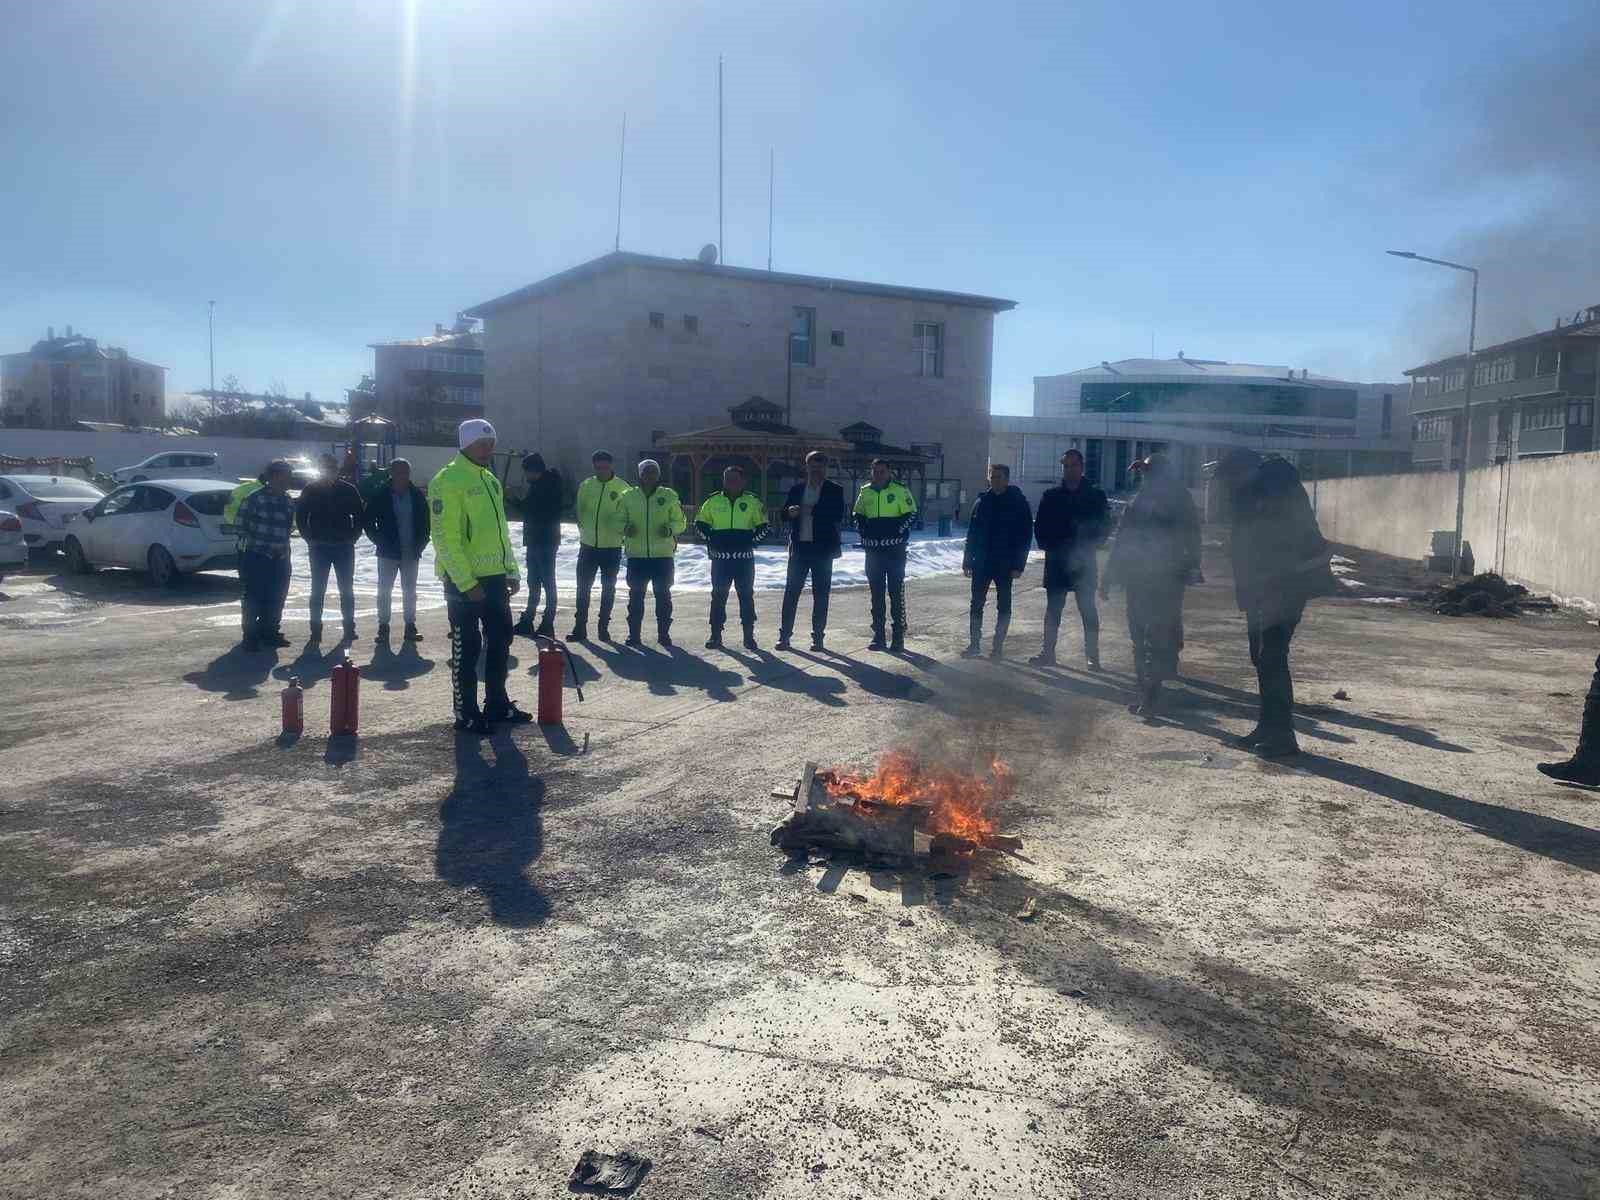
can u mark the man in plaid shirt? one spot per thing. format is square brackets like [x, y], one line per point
[265, 520]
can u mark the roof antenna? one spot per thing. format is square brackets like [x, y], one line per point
[622, 151]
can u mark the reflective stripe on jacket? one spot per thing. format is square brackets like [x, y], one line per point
[885, 515]
[656, 520]
[599, 512]
[467, 515]
[732, 526]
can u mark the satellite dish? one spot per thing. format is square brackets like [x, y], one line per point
[708, 254]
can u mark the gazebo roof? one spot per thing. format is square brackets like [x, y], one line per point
[735, 438]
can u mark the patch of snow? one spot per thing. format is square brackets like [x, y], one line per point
[1384, 600]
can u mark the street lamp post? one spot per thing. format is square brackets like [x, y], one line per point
[1466, 402]
[211, 338]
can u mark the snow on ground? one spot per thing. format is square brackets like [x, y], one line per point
[927, 555]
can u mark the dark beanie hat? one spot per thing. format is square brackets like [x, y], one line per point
[533, 462]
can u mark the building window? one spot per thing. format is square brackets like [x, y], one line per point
[1549, 416]
[800, 333]
[1549, 361]
[1455, 380]
[658, 320]
[1500, 370]
[836, 337]
[691, 324]
[928, 340]
[1580, 413]
[1388, 414]
[1434, 428]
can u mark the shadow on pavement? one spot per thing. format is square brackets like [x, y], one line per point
[871, 679]
[491, 829]
[786, 677]
[664, 672]
[560, 741]
[312, 664]
[237, 673]
[396, 670]
[121, 586]
[1414, 734]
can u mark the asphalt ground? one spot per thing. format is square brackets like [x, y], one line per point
[413, 964]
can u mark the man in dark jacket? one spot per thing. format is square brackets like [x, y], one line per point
[397, 524]
[330, 516]
[1156, 554]
[999, 536]
[541, 537]
[1280, 560]
[813, 510]
[885, 510]
[1072, 522]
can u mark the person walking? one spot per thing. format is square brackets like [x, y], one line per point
[652, 519]
[397, 524]
[473, 557]
[1280, 561]
[1156, 555]
[599, 512]
[733, 524]
[263, 523]
[814, 511]
[330, 516]
[1071, 524]
[999, 536]
[541, 538]
[885, 511]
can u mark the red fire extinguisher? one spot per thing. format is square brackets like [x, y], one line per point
[294, 707]
[342, 717]
[553, 659]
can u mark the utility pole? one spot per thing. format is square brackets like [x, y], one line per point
[622, 151]
[211, 337]
[721, 256]
[770, 159]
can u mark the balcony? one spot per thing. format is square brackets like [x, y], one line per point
[1542, 441]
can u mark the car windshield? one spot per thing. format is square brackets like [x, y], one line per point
[60, 489]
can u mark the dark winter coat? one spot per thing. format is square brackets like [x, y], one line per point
[999, 532]
[826, 518]
[381, 525]
[1158, 538]
[1280, 558]
[541, 510]
[1070, 524]
[330, 511]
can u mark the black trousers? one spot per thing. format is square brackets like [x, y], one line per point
[1155, 626]
[606, 562]
[740, 574]
[819, 566]
[266, 587]
[982, 577]
[886, 573]
[656, 573]
[1081, 583]
[479, 626]
[1270, 635]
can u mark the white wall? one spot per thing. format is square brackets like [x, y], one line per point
[1532, 520]
[242, 457]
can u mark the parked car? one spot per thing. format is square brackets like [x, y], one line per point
[172, 464]
[45, 503]
[170, 529]
[13, 550]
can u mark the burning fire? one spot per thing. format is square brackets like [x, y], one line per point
[959, 804]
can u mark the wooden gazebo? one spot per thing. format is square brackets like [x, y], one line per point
[755, 437]
[866, 443]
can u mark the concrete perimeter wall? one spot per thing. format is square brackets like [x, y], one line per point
[241, 457]
[1534, 521]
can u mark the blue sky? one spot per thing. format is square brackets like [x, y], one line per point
[1220, 178]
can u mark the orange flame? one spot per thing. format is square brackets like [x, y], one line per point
[959, 804]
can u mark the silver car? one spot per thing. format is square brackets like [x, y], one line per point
[45, 503]
[172, 464]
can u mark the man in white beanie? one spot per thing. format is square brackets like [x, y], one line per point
[473, 557]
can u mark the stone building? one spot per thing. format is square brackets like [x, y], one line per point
[628, 350]
[63, 380]
[428, 385]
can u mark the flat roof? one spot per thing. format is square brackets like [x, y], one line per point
[625, 258]
[1585, 329]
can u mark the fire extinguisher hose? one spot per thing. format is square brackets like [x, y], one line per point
[572, 665]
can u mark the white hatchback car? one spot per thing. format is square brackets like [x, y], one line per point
[45, 503]
[13, 550]
[170, 529]
[172, 464]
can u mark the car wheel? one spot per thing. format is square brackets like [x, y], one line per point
[163, 571]
[77, 563]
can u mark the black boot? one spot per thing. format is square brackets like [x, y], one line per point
[877, 642]
[634, 639]
[897, 643]
[1091, 648]
[974, 632]
[524, 627]
[580, 632]
[998, 650]
[383, 635]
[750, 642]
[1584, 765]
[783, 642]
[547, 629]
[411, 633]
[816, 642]
[663, 636]
[714, 642]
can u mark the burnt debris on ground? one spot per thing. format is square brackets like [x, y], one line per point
[1486, 595]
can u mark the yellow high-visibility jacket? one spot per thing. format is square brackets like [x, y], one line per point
[885, 515]
[733, 526]
[652, 523]
[230, 510]
[471, 539]
[599, 511]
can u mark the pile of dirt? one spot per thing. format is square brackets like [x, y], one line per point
[1486, 595]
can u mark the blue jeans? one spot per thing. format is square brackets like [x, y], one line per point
[266, 585]
[541, 577]
[341, 556]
